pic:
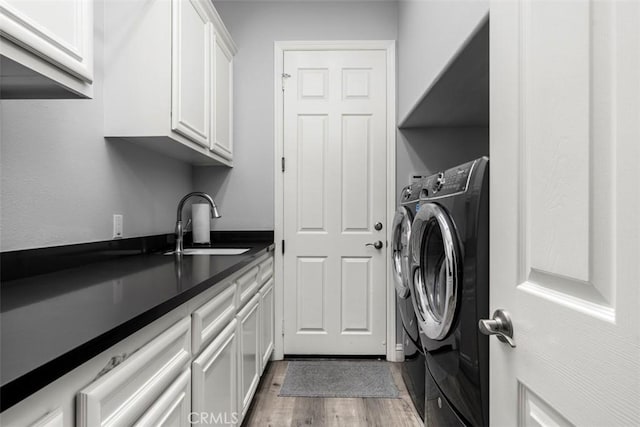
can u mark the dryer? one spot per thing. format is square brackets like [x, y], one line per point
[449, 261]
[413, 368]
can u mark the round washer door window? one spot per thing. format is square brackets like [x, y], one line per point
[401, 234]
[434, 266]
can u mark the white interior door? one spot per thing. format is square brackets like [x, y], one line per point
[334, 193]
[565, 209]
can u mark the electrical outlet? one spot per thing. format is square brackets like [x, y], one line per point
[117, 226]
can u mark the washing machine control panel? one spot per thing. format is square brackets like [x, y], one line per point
[412, 192]
[451, 181]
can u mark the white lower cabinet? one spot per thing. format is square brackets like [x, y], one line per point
[266, 323]
[249, 352]
[215, 397]
[164, 380]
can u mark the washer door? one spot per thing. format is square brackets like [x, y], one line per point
[401, 234]
[435, 270]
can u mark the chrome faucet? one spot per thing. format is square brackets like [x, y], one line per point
[179, 230]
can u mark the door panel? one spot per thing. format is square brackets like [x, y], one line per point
[334, 193]
[311, 288]
[565, 103]
[357, 172]
[312, 148]
[355, 316]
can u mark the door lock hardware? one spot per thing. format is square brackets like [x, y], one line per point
[500, 326]
[377, 244]
[378, 226]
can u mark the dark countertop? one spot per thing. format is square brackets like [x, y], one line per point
[53, 322]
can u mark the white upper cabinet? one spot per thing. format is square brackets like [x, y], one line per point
[46, 48]
[164, 87]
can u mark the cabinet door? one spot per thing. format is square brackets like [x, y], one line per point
[191, 74]
[266, 323]
[172, 409]
[222, 143]
[60, 32]
[215, 377]
[249, 354]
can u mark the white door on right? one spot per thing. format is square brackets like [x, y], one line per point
[565, 212]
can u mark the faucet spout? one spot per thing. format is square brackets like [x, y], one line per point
[179, 229]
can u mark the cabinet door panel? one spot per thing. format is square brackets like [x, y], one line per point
[249, 354]
[215, 381]
[266, 323]
[61, 32]
[191, 90]
[222, 142]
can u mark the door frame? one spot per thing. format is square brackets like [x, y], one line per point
[280, 47]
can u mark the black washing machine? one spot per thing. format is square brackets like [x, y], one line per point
[450, 293]
[413, 367]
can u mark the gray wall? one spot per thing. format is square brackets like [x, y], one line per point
[429, 34]
[62, 182]
[245, 193]
[428, 151]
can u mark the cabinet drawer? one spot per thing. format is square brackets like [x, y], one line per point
[123, 394]
[212, 317]
[173, 407]
[248, 285]
[52, 419]
[266, 270]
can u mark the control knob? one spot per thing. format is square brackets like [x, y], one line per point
[437, 185]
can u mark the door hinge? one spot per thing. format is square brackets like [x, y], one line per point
[284, 76]
[283, 246]
[282, 162]
[282, 327]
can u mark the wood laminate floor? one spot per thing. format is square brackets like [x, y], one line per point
[268, 409]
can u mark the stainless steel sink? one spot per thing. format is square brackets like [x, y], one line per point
[211, 251]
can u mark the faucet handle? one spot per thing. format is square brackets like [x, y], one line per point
[184, 229]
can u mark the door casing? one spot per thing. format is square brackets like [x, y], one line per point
[280, 47]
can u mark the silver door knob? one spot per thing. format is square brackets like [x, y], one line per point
[377, 245]
[500, 326]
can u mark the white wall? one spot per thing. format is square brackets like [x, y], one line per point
[62, 182]
[245, 193]
[429, 34]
